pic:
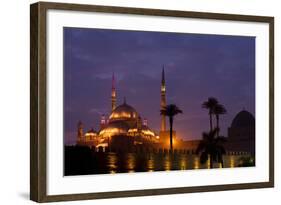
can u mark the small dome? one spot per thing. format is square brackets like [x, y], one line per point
[147, 131]
[123, 112]
[91, 131]
[114, 128]
[243, 119]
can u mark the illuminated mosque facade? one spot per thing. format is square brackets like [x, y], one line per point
[126, 123]
[126, 129]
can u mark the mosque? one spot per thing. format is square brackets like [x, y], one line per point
[124, 125]
[126, 128]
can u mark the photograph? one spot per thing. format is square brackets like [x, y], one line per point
[132, 101]
[148, 101]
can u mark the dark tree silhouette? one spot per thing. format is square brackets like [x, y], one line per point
[170, 111]
[219, 110]
[211, 146]
[210, 104]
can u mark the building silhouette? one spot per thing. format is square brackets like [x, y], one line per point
[241, 133]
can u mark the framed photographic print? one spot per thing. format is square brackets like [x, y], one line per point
[134, 102]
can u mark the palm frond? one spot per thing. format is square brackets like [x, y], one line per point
[210, 103]
[203, 157]
[219, 109]
[211, 145]
[221, 139]
[170, 110]
[201, 146]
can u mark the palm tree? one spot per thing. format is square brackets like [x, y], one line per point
[211, 146]
[210, 105]
[219, 110]
[170, 111]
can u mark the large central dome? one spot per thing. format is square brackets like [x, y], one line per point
[123, 112]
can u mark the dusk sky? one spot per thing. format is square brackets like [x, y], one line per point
[196, 66]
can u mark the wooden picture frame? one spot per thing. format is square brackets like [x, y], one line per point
[38, 100]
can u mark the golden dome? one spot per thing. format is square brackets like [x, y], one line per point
[114, 128]
[124, 120]
[123, 112]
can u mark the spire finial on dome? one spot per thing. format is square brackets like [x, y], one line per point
[124, 100]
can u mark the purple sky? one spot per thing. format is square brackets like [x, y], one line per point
[196, 66]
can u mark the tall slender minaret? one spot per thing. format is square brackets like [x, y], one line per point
[113, 94]
[163, 100]
[79, 130]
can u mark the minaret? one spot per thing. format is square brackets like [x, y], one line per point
[79, 130]
[163, 100]
[113, 94]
